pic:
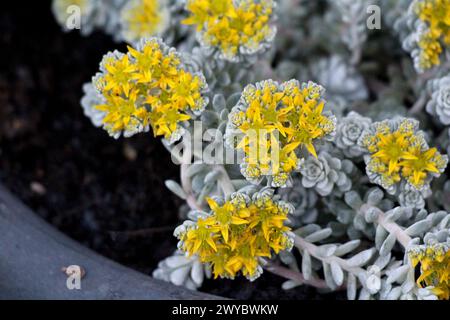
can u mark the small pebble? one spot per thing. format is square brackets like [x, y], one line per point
[38, 188]
[129, 152]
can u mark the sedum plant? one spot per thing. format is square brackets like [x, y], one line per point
[309, 146]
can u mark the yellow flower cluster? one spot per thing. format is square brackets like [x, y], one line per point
[148, 86]
[143, 18]
[278, 121]
[233, 27]
[434, 267]
[237, 233]
[436, 15]
[398, 151]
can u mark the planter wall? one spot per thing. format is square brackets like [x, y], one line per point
[32, 254]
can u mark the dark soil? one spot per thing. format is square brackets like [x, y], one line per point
[107, 194]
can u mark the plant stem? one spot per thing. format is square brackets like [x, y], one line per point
[395, 229]
[187, 187]
[402, 237]
[314, 251]
[418, 106]
[294, 275]
[224, 181]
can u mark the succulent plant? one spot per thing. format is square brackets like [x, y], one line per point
[338, 183]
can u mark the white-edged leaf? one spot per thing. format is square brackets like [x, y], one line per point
[307, 230]
[212, 177]
[351, 287]
[374, 196]
[290, 284]
[380, 236]
[418, 228]
[337, 272]
[383, 261]
[197, 274]
[176, 261]
[361, 258]
[398, 275]
[319, 235]
[347, 247]
[176, 189]
[364, 294]
[394, 294]
[196, 168]
[328, 276]
[388, 244]
[178, 276]
[306, 265]
[219, 103]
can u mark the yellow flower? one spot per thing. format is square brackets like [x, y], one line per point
[237, 233]
[143, 18]
[416, 169]
[233, 27]
[434, 263]
[166, 119]
[186, 91]
[398, 151]
[436, 15]
[124, 114]
[117, 76]
[276, 122]
[148, 86]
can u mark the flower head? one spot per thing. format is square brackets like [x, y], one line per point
[236, 233]
[143, 18]
[232, 27]
[432, 32]
[434, 260]
[398, 151]
[275, 122]
[148, 86]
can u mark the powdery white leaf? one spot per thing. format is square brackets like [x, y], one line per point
[418, 228]
[219, 103]
[388, 244]
[347, 247]
[383, 261]
[176, 261]
[327, 250]
[307, 230]
[329, 276]
[361, 258]
[374, 196]
[176, 189]
[212, 177]
[178, 276]
[319, 235]
[394, 294]
[290, 284]
[380, 236]
[353, 200]
[364, 294]
[398, 275]
[306, 265]
[351, 287]
[197, 273]
[337, 272]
